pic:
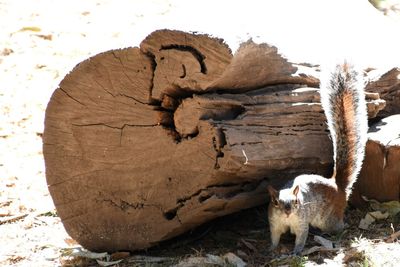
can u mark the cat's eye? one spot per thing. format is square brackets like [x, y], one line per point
[296, 202]
[276, 203]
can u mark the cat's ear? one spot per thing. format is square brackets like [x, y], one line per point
[296, 191]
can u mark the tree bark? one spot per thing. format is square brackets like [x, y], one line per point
[143, 144]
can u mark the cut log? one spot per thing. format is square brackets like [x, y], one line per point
[379, 178]
[143, 144]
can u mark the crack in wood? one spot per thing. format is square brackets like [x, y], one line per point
[104, 89]
[153, 70]
[130, 80]
[70, 96]
[183, 72]
[245, 143]
[125, 205]
[206, 193]
[196, 53]
[141, 102]
[219, 142]
[114, 127]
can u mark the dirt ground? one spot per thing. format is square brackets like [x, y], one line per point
[40, 42]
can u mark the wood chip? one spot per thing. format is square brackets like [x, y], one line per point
[318, 249]
[108, 263]
[393, 237]
[13, 219]
[248, 245]
[120, 255]
[324, 242]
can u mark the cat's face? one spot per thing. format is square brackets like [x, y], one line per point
[285, 200]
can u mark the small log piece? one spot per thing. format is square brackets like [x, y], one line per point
[379, 178]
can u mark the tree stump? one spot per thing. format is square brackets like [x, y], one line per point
[143, 144]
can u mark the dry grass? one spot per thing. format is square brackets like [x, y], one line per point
[40, 42]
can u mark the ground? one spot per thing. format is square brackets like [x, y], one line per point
[40, 42]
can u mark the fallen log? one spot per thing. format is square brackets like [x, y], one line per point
[143, 144]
